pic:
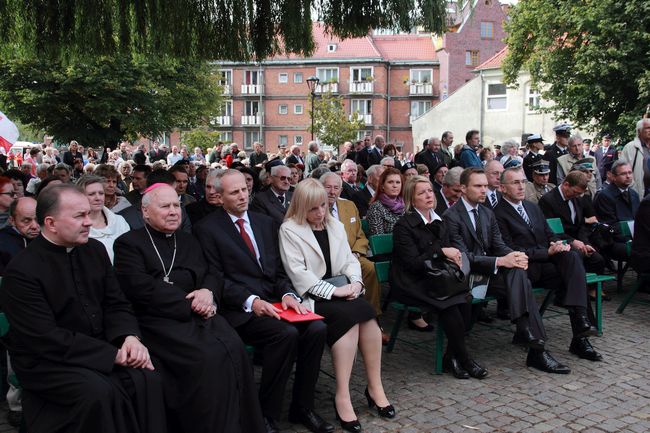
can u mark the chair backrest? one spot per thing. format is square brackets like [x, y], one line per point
[365, 226]
[4, 325]
[381, 244]
[624, 227]
[556, 225]
[382, 269]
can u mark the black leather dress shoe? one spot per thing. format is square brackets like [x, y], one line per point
[452, 366]
[474, 369]
[524, 337]
[310, 419]
[271, 427]
[544, 361]
[582, 326]
[581, 347]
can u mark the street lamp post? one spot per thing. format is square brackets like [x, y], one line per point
[312, 82]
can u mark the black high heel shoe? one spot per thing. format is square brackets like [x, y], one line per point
[352, 426]
[384, 412]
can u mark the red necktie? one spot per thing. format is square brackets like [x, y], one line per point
[245, 237]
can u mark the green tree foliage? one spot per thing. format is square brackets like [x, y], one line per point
[205, 29]
[331, 122]
[106, 100]
[200, 137]
[589, 57]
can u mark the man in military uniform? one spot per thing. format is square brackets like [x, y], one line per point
[540, 185]
[535, 144]
[557, 149]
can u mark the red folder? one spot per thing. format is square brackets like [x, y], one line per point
[290, 315]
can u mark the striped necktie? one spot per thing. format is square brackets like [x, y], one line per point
[523, 214]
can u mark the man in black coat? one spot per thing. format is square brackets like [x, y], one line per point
[564, 202]
[74, 342]
[551, 264]
[640, 257]
[275, 201]
[208, 204]
[258, 157]
[349, 176]
[431, 156]
[605, 155]
[21, 230]
[72, 153]
[242, 251]
[473, 229]
[617, 201]
[450, 192]
[557, 149]
[362, 197]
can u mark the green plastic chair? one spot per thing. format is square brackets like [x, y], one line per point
[623, 265]
[381, 244]
[556, 225]
[365, 227]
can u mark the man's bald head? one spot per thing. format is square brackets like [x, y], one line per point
[22, 215]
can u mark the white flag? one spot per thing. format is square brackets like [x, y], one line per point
[8, 132]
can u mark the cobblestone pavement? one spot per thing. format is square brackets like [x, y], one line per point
[610, 396]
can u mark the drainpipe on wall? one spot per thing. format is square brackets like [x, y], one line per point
[263, 87]
[388, 106]
[481, 105]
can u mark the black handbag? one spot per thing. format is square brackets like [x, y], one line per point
[447, 279]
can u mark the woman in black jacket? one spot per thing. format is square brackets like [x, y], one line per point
[419, 236]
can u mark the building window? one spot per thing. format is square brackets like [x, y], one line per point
[226, 109]
[224, 77]
[534, 99]
[361, 106]
[252, 77]
[471, 58]
[421, 75]
[363, 134]
[361, 74]
[251, 108]
[297, 77]
[283, 109]
[297, 109]
[487, 30]
[418, 108]
[283, 140]
[283, 78]
[331, 48]
[251, 137]
[225, 136]
[496, 97]
[327, 75]
[297, 140]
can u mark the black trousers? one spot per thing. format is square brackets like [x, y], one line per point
[564, 272]
[282, 343]
[514, 285]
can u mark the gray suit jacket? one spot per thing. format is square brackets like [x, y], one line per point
[461, 234]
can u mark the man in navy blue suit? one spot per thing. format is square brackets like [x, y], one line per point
[617, 201]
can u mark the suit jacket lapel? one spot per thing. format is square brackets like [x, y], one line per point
[468, 222]
[234, 234]
[259, 239]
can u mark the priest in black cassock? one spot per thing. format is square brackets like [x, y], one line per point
[74, 341]
[206, 372]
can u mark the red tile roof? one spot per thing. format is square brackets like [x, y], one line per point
[495, 61]
[406, 47]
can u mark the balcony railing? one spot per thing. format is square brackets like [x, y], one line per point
[367, 118]
[251, 89]
[255, 120]
[361, 87]
[327, 87]
[421, 89]
[222, 120]
[227, 89]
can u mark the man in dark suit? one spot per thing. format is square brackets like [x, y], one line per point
[431, 156]
[349, 177]
[617, 201]
[640, 257]
[295, 157]
[274, 202]
[605, 156]
[557, 149]
[493, 170]
[564, 202]
[450, 192]
[473, 229]
[362, 197]
[551, 264]
[242, 251]
[371, 155]
[258, 156]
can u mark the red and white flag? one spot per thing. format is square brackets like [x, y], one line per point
[8, 132]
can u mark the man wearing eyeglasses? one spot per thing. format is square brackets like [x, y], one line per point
[274, 202]
[7, 195]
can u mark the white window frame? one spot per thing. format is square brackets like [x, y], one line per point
[252, 134]
[226, 110]
[297, 77]
[361, 134]
[331, 47]
[225, 136]
[284, 111]
[468, 58]
[298, 140]
[322, 74]
[253, 73]
[364, 106]
[495, 97]
[426, 104]
[280, 141]
[251, 104]
[534, 95]
[359, 68]
[416, 74]
[283, 78]
[227, 74]
[298, 109]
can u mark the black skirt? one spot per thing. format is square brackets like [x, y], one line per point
[341, 315]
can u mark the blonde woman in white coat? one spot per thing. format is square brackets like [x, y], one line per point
[314, 247]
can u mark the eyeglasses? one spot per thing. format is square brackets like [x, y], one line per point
[283, 178]
[11, 194]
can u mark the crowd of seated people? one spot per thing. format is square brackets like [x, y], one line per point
[156, 268]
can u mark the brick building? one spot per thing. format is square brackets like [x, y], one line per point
[388, 80]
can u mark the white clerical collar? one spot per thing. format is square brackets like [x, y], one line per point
[67, 249]
[432, 215]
